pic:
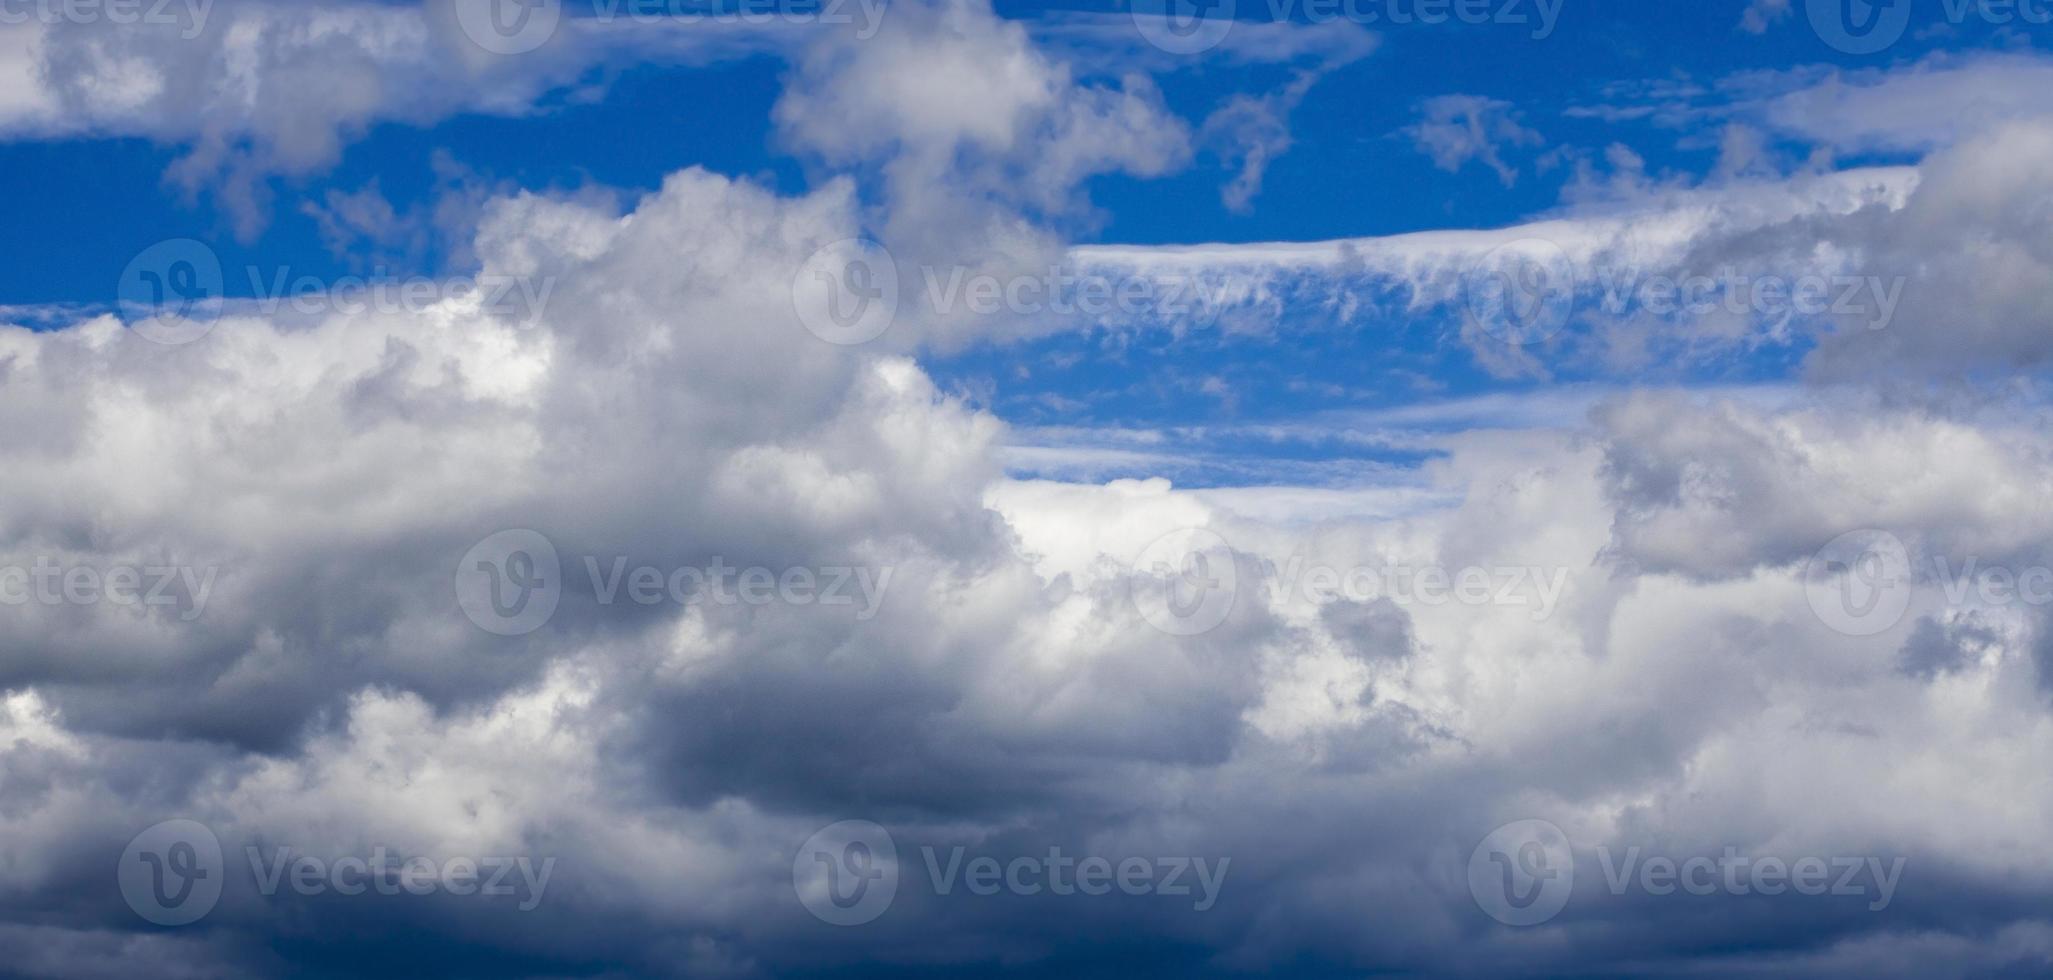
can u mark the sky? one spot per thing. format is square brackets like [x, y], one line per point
[941, 487]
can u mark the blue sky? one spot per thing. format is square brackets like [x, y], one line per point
[1352, 169]
[1349, 172]
[1700, 352]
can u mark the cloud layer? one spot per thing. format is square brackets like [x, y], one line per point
[1609, 613]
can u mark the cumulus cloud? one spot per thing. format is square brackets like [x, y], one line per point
[1644, 663]
[976, 137]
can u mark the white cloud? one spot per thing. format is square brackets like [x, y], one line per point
[977, 136]
[266, 88]
[1455, 129]
[1760, 14]
[1250, 132]
[1678, 693]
